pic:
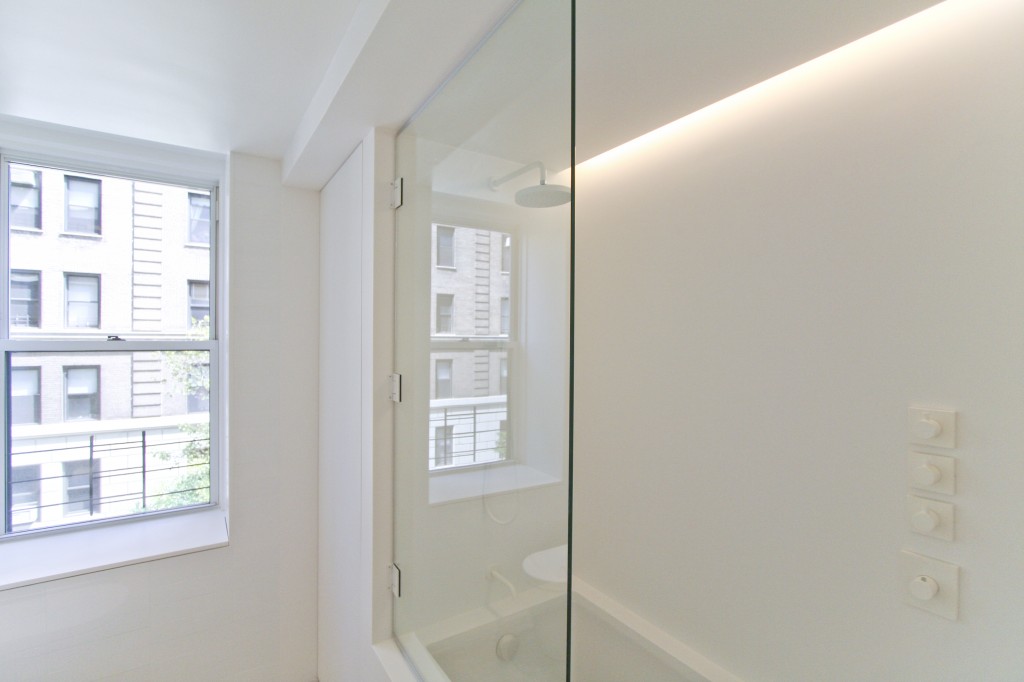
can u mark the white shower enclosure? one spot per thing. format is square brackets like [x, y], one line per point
[483, 349]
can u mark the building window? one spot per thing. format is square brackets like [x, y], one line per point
[24, 298]
[82, 293]
[503, 376]
[25, 497]
[25, 405]
[81, 487]
[82, 393]
[82, 205]
[506, 253]
[198, 301]
[444, 445]
[443, 379]
[445, 246]
[198, 218]
[24, 199]
[506, 315]
[445, 307]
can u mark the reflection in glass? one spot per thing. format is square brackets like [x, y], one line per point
[482, 339]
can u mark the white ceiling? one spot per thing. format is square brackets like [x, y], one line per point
[304, 80]
[209, 74]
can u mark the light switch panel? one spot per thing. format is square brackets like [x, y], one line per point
[930, 584]
[934, 473]
[931, 517]
[928, 426]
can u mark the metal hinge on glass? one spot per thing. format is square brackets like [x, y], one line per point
[396, 388]
[396, 580]
[396, 193]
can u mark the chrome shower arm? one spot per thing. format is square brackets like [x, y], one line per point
[516, 173]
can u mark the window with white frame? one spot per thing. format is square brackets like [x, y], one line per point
[110, 389]
[82, 205]
[470, 347]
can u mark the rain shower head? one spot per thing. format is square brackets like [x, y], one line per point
[536, 196]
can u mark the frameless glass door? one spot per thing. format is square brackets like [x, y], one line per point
[481, 471]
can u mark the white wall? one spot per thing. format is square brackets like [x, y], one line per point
[247, 611]
[356, 328]
[762, 291]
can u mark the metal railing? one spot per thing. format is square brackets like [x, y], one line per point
[467, 431]
[76, 478]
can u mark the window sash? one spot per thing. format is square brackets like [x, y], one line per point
[20, 293]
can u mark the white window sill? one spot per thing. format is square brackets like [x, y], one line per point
[450, 486]
[39, 557]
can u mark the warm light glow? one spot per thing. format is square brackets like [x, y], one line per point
[863, 55]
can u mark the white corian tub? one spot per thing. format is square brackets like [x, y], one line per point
[524, 641]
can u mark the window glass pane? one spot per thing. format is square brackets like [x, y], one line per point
[128, 416]
[139, 264]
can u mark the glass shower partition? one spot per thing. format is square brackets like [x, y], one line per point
[482, 433]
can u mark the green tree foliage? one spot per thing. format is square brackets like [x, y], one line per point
[181, 475]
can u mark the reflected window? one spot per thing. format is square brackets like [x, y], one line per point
[469, 351]
[444, 446]
[506, 253]
[443, 379]
[506, 316]
[445, 246]
[445, 306]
